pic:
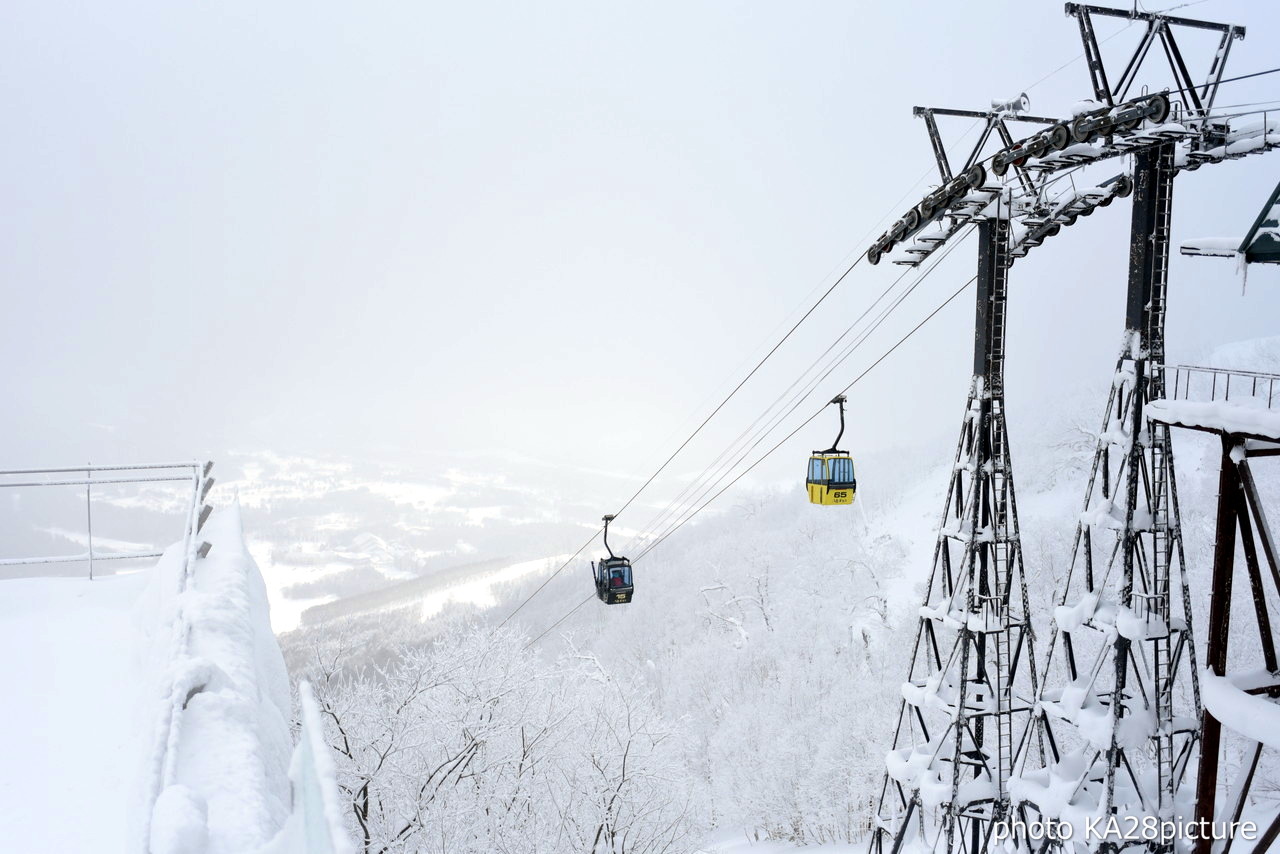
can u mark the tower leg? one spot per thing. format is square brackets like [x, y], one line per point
[972, 668]
[1224, 555]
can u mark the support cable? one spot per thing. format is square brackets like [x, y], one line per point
[806, 422]
[690, 495]
[547, 580]
[1227, 80]
[736, 388]
[693, 484]
[801, 397]
[692, 435]
[779, 444]
[571, 612]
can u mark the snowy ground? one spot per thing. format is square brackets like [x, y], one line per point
[69, 760]
[136, 690]
[738, 842]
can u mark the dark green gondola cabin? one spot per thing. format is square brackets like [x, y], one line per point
[614, 585]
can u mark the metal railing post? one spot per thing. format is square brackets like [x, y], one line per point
[88, 510]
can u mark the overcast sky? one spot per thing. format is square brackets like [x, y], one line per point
[560, 230]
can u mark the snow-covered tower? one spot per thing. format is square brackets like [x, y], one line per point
[1115, 724]
[1109, 729]
[1115, 728]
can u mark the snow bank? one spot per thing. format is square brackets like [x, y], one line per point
[221, 737]
[218, 773]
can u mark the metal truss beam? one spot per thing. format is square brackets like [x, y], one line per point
[1198, 99]
[996, 120]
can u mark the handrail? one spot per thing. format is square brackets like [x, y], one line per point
[1212, 369]
[195, 471]
[91, 482]
[33, 561]
[141, 467]
[1222, 383]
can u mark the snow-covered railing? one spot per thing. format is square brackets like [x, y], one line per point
[1241, 403]
[219, 775]
[168, 729]
[196, 473]
[1210, 385]
[315, 824]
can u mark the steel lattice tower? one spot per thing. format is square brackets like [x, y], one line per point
[972, 668]
[1105, 739]
[1111, 725]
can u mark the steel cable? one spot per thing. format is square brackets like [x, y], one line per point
[800, 397]
[769, 452]
[679, 504]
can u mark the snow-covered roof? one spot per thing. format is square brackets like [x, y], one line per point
[1261, 245]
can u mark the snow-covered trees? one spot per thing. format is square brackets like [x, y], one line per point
[472, 744]
[749, 690]
[752, 685]
[772, 668]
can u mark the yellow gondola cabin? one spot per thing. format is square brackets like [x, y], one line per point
[830, 479]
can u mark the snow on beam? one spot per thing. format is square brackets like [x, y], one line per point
[1261, 245]
[1257, 718]
[1212, 247]
[1217, 417]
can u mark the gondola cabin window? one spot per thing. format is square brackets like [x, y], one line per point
[841, 470]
